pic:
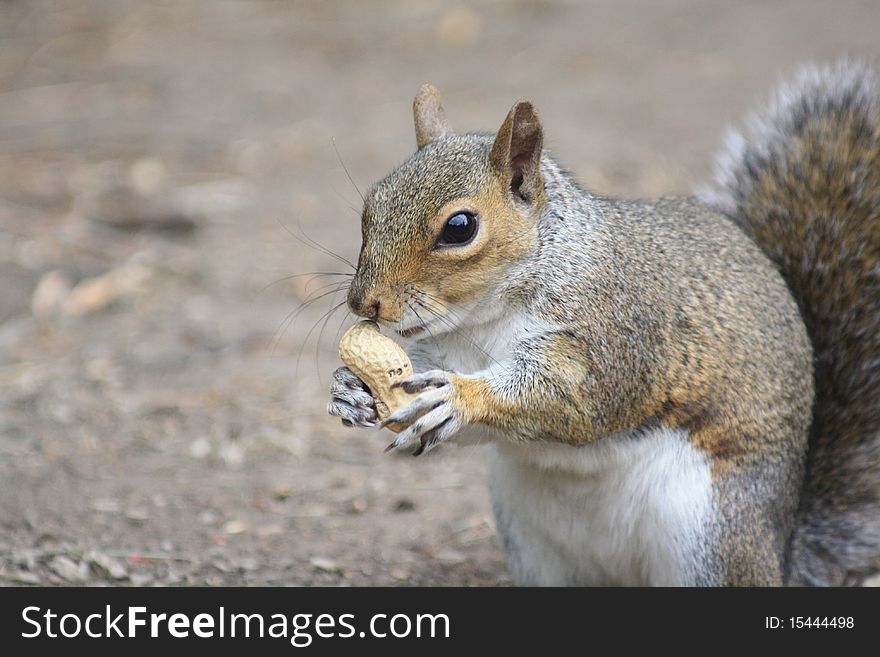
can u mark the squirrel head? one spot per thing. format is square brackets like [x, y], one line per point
[441, 232]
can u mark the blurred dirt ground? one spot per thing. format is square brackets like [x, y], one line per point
[158, 163]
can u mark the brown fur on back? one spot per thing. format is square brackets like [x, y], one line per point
[804, 183]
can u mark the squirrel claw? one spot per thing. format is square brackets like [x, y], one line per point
[424, 380]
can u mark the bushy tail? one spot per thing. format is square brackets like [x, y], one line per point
[803, 181]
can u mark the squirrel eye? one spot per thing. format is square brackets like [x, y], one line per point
[459, 229]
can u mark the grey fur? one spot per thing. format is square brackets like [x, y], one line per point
[672, 313]
[804, 182]
[650, 298]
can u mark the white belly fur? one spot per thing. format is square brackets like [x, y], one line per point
[626, 510]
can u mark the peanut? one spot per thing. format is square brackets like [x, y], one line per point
[379, 362]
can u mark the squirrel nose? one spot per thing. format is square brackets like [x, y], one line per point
[372, 310]
[367, 308]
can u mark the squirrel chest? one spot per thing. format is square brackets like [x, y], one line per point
[629, 509]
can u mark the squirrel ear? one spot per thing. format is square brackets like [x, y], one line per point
[429, 116]
[516, 153]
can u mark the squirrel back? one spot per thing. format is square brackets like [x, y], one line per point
[803, 182]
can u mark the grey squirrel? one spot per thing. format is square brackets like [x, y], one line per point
[674, 392]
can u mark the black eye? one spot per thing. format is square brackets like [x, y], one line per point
[459, 229]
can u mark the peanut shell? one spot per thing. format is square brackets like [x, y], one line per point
[379, 362]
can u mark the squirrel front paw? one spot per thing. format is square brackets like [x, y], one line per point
[351, 400]
[436, 414]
